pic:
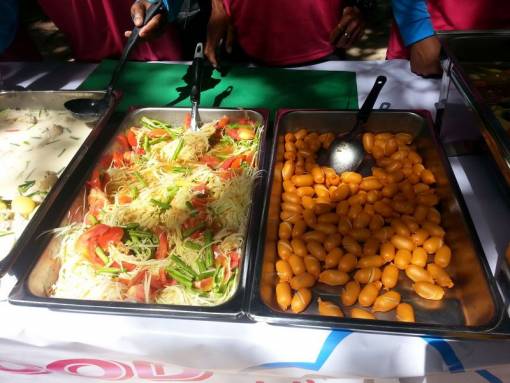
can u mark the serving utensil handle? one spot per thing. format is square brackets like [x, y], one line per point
[152, 11]
[367, 107]
[197, 67]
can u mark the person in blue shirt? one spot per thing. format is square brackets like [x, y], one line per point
[9, 13]
[413, 37]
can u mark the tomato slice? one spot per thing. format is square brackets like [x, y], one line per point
[136, 293]
[236, 164]
[123, 142]
[232, 133]
[226, 175]
[223, 121]
[96, 200]
[227, 163]
[162, 250]
[199, 203]
[138, 278]
[210, 161]
[124, 199]
[220, 260]
[95, 231]
[131, 137]
[187, 120]
[234, 259]
[106, 161]
[128, 266]
[159, 280]
[125, 266]
[156, 283]
[127, 157]
[157, 133]
[100, 235]
[118, 159]
[112, 235]
[192, 222]
[95, 179]
[204, 284]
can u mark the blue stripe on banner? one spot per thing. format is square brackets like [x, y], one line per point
[447, 353]
[489, 376]
[333, 340]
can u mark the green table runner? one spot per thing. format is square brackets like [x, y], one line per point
[148, 84]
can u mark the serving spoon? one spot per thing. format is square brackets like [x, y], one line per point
[197, 67]
[90, 109]
[346, 151]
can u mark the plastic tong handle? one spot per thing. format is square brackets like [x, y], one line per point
[152, 11]
[197, 67]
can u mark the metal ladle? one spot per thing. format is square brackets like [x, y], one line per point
[197, 67]
[346, 152]
[90, 109]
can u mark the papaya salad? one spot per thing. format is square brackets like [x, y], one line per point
[166, 216]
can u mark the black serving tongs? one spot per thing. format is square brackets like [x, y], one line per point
[89, 109]
[197, 68]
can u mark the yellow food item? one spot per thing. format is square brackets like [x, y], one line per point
[440, 275]
[23, 205]
[405, 313]
[429, 290]
[386, 302]
[361, 314]
[328, 308]
[283, 295]
[341, 226]
[301, 300]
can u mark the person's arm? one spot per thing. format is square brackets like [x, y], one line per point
[415, 26]
[219, 28]
[8, 23]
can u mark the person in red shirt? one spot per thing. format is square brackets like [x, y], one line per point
[413, 36]
[95, 30]
[283, 32]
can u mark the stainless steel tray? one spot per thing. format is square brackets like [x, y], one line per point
[466, 114]
[473, 308]
[33, 287]
[53, 100]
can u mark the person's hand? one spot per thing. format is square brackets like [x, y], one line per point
[154, 28]
[425, 57]
[349, 28]
[219, 28]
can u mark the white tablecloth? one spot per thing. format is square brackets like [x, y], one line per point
[49, 346]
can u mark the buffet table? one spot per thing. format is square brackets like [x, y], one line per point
[56, 346]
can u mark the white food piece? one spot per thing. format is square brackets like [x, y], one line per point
[46, 182]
